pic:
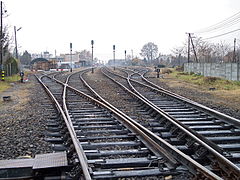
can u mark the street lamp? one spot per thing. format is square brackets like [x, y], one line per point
[71, 56]
[15, 33]
[114, 57]
[16, 48]
[92, 42]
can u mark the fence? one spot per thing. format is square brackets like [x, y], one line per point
[229, 71]
[10, 69]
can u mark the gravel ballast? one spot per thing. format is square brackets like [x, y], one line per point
[101, 85]
[22, 124]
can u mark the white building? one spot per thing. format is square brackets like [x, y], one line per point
[165, 58]
[71, 58]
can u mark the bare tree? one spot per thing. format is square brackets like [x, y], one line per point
[149, 51]
[178, 50]
[221, 50]
[5, 43]
[85, 55]
[206, 52]
[203, 50]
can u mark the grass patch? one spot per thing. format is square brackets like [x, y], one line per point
[207, 82]
[12, 78]
[6, 84]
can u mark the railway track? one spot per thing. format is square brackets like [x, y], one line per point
[113, 145]
[218, 128]
[102, 142]
[186, 138]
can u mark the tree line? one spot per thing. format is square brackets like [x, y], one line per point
[206, 52]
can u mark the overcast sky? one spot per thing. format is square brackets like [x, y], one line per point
[129, 24]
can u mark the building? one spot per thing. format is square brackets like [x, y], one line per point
[71, 58]
[45, 55]
[79, 59]
[40, 64]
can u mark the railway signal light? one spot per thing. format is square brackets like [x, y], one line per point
[114, 56]
[92, 42]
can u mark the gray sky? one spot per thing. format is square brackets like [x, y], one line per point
[129, 24]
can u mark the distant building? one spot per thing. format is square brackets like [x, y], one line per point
[45, 55]
[165, 58]
[34, 56]
[40, 64]
[43, 64]
[71, 58]
[77, 59]
[118, 62]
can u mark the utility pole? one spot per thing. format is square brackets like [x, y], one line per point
[195, 54]
[234, 50]
[15, 34]
[179, 56]
[1, 42]
[190, 40]
[16, 46]
[188, 47]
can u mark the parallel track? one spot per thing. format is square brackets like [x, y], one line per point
[196, 121]
[109, 144]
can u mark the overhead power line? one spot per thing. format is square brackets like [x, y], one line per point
[232, 20]
[221, 34]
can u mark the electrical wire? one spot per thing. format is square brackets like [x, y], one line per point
[221, 34]
[224, 27]
[234, 19]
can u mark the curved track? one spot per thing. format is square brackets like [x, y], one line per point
[205, 150]
[109, 145]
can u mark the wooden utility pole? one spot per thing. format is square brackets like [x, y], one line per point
[2, 72]
[195, 54]
[15, 34]
[1, 43]
[188, 47]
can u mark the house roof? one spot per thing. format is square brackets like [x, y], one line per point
[39, 60]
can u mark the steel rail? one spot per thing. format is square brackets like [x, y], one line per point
[208, 142]
[77, 145]
[97, 102]
[226, 165]
[206, 109]
[191, 164]
[154, 140]
[213, 112]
